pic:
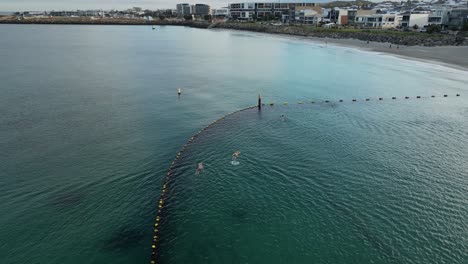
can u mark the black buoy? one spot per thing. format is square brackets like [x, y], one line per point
[445, 95]
[354, 100]
[418, 96]
[259, 102]
[458, 94]
[432, 96]
[367, 99]
[313, 102]
[406, 97]
[380, 98]
[393, 97]
[326, 101]
[341, 101]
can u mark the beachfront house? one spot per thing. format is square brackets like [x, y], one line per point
[458, 17]
[439, 17]
[359, 17]
[220, 12]
[308, 16]
[410, 19]
[266, 10]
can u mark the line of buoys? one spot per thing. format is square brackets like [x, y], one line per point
[161, 203]
[355, 100]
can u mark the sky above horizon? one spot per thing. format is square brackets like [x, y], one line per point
[47, 5]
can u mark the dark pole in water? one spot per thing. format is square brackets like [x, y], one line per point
[259, 102]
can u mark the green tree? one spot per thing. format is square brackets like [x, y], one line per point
[188, 17]
[415, 27]
[162, 17]
[433, 28]
[465, 27]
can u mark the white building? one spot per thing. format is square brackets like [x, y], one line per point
[409, 20]
[220, 12]
[308, 16]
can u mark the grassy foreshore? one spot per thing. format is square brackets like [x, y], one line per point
[411, 44]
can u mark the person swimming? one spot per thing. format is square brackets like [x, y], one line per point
[283, 118]
[235, 155]
[199, 168]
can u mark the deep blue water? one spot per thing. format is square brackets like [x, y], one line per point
[91, 121]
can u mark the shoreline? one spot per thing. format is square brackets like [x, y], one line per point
[453, 56]
[449, 56]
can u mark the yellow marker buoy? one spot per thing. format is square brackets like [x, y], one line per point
[285, 103]
[300, 102]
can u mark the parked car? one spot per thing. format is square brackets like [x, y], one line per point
[423, 30]
[444, 31]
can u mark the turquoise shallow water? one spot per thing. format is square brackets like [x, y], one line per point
[369, 182]
[90, 122]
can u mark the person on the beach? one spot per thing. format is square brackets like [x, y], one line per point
[199, 168]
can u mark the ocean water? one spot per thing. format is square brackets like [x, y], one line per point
[91, 121]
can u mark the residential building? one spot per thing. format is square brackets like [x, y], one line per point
[220, 12]
[411, 19]
[259, 10]
[382, 21]
[183, 9]
[201, 10]
[308, 17]
[439, 17]
[338, 16]
[359, 17]
[458, 17]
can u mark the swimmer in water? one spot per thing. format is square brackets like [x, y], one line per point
[282, 118]
[199, 168]
[235, 155]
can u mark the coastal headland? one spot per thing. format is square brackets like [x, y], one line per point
[445, 48]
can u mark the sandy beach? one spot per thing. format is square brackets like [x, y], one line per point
[451, 56]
